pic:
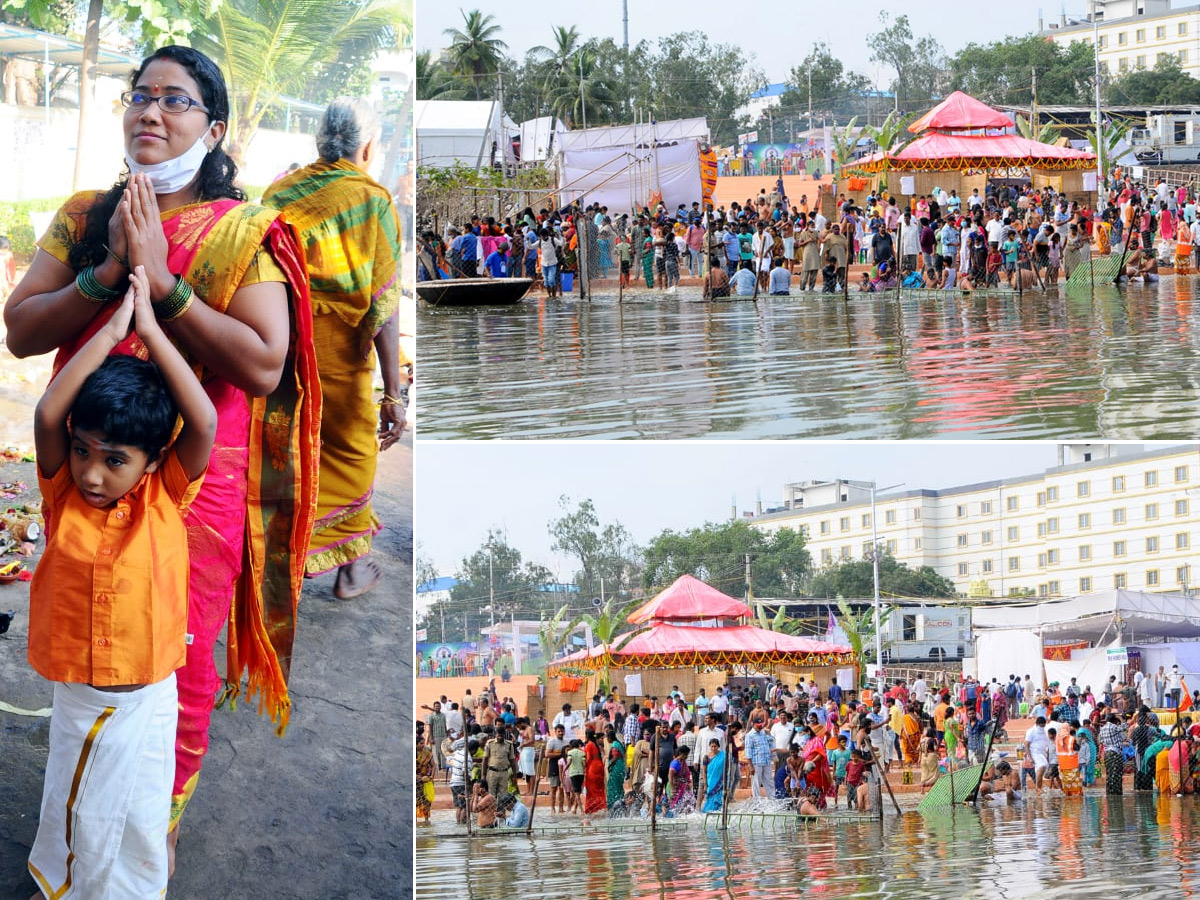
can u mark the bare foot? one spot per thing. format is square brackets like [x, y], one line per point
[172, 841]
[357, 578]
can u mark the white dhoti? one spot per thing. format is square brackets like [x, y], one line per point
[102, 833]
[526, 762]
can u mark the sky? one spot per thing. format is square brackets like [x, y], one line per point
[778, 34]
[465, 488]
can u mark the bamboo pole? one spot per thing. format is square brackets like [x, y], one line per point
[654, 792]
[468, 786]
[537, 780]
[726, 794]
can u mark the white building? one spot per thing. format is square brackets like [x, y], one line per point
[1107, 516]
[1136, 34]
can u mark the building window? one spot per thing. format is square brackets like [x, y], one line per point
[1181, 541]
[866, 550]
[1123, 64]
[1118, 548]
[962, 540]
[1152, 544]
[1181, 474]
[846, 552]
[1085, 520]
[1014, 564]
[1013, 534]
[1083, 489]
[917, 514]
[1041, 529]
[1052, 525]
[1055, 587]
[1181, 507]
[1085, 552]
[1041, 498]
[1140, 61]
[1043, 590]
[986, 507]
[1151, 512]
[1103, 41]
[1161, 32]
[1139, 35]
[987, 566]
[962, 570]
[889, 517]
[1104, 66]
[1052, 557]
[805, 531]
[916, 543]
[891, 548]
[1151, 577]
[1041, 560]
[866, 520]
[1122, 39]
[1182, 574]
[1119, 580]
[1014, 503]
[961, 510]
[825, 527]
[1182, 56]
[826, 557]
[1118, 483]
[1085, 584]
[1158, 59]
[1151, 478]
[1182, 29]
[985, 538]
[844, 523]
[1119, 515]
[1051, 495]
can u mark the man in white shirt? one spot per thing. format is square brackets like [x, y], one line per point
[910, 241]
[920, 689]
[1037, 748]
[572, 722]
[720, 705]
[995, 230]
[781, 733]
[974, 201]
[1174, 687]
[454, 719]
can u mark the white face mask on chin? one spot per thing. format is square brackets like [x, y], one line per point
[172, 175]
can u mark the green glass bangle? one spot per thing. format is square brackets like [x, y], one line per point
[92, 289]
[175, 303]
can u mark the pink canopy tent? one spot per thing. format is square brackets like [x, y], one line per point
[666, 646]
[960, 112]
[689, 599]
[937, 152]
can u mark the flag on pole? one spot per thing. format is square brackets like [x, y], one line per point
[1185, 701]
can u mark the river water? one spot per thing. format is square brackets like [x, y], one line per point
[1090, 847]
[1113, 364]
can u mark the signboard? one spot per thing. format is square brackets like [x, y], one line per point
[1117, 656]
[441, 660]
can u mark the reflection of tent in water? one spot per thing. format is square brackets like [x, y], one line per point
[1012, 639]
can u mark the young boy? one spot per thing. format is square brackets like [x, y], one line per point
[108, 602]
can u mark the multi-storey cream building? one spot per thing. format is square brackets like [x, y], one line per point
[1136, 34]
[1105, 516]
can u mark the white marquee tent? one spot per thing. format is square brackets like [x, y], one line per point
[473, 133]
[1010, 639]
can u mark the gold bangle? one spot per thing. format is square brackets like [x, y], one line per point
[113, 254]
[389, 400]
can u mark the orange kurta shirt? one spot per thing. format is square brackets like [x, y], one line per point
[108, 601]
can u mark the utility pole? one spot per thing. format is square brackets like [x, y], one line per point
[810, 118]
[625, 25]
[749, 585]
[1099, 119]
[771, 124]
[1033, 110]
[491, 590]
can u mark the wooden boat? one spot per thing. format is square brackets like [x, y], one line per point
[473, 291]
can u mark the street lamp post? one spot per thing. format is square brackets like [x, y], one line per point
[874, 485]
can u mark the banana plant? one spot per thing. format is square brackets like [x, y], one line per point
[860, 627]
[1105, 149]
[891, 134]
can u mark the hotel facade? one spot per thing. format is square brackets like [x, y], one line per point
[1106, 516]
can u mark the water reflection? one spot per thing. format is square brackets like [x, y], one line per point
[1083, 848]
[1117, 364]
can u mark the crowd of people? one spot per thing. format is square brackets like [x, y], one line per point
[1012, 236]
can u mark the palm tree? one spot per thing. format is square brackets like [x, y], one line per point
[606, 624]
[271, 48]
[435, 82]
[566, 42]
[844, 142]
[553, 634]
[582, 92]
[475, 51]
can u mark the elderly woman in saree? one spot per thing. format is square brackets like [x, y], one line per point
[228, 285]
[351, 235]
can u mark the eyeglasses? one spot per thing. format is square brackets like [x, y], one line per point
[172, 103]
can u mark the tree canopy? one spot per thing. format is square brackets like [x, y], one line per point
[716, 554]
[607, 554]
[835, 91]
[1166, 83]
[854, 580]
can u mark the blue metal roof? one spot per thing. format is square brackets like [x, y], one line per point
[771, 90]
[444, 583]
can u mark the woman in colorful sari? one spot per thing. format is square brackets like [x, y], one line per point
[351, 236]
[680, 799]
[714, 769]
[616, 773]
[595, 796]
[228, 283]
[952, 737]
[424, 773]
[1088, 753]
[910, 737]
[1103, 231]
[648, 260]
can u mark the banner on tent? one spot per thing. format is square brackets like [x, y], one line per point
[1117, 656]
[1062, 652]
